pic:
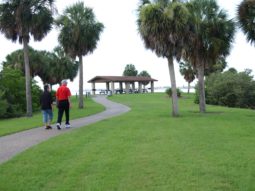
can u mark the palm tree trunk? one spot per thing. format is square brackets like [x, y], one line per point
[201, 88]
[28, 78]
[81, 83]
[188, 87]
[175, 111]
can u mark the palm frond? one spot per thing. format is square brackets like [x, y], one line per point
[22, 19]
[246, 15]
[79, 30]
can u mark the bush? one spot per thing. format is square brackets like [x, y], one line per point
[36, 93]
[231, 89]
[169, 92]
[4, 105]
[13, 95]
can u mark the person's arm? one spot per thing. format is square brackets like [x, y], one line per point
[69, 97]
[69, 100]
[56, 96]
[51, 101]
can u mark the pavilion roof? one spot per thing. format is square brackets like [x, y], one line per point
[102, 79]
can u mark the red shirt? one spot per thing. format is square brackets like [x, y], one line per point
[63, 93]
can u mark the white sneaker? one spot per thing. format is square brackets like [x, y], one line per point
[68, 126]
[58, 126]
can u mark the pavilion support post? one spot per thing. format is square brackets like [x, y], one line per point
[107, 86]
[139, 87]
[133, 87]
[127, 84]
[112, 87]
[121, 86]
[152, 87]
[93, 88]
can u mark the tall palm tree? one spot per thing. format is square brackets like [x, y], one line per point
[210, 38]
[79, 33]
[161, 25]
[21, 19]
[245, 17]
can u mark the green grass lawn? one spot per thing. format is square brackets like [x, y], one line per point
[144, 150]
[10, 126]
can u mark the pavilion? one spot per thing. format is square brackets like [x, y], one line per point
[127, 80]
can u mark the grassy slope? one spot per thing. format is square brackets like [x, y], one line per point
[10, 126]
[144, 149]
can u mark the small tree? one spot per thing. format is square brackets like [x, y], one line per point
[144, 74]
[188, 73]
[130, 70]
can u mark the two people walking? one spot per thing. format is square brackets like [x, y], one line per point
[63, 102]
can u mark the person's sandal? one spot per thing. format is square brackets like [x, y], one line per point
[48, 127]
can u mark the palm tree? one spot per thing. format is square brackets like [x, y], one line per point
[210, 38]
[161, 25]
[245, 16]
[188, 73]
[57, 66]
[15, 60]
[51, 67]
[79, 33]
[21, 19]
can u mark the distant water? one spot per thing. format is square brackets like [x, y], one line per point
[183, 89]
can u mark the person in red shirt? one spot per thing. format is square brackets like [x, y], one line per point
[63, 102]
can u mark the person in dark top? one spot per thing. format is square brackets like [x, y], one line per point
[46, 106]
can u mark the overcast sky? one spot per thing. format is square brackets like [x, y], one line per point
[120, 44]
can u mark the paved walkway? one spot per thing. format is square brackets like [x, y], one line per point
[11, 145]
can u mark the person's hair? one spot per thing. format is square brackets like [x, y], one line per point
[64, 82]
[46, 87]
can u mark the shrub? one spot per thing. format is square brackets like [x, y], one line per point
[13, 95]
[231, 89]
[4, 105]
[169, 92]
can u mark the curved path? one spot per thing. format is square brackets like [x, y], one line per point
[11, 145]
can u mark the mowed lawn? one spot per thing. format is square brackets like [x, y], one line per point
[14, 125]
[144, 150]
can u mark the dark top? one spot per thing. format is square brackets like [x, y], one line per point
[46, 100]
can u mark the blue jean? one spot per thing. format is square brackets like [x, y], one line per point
[47, 115]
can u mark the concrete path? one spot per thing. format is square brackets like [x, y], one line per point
[11, 145]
